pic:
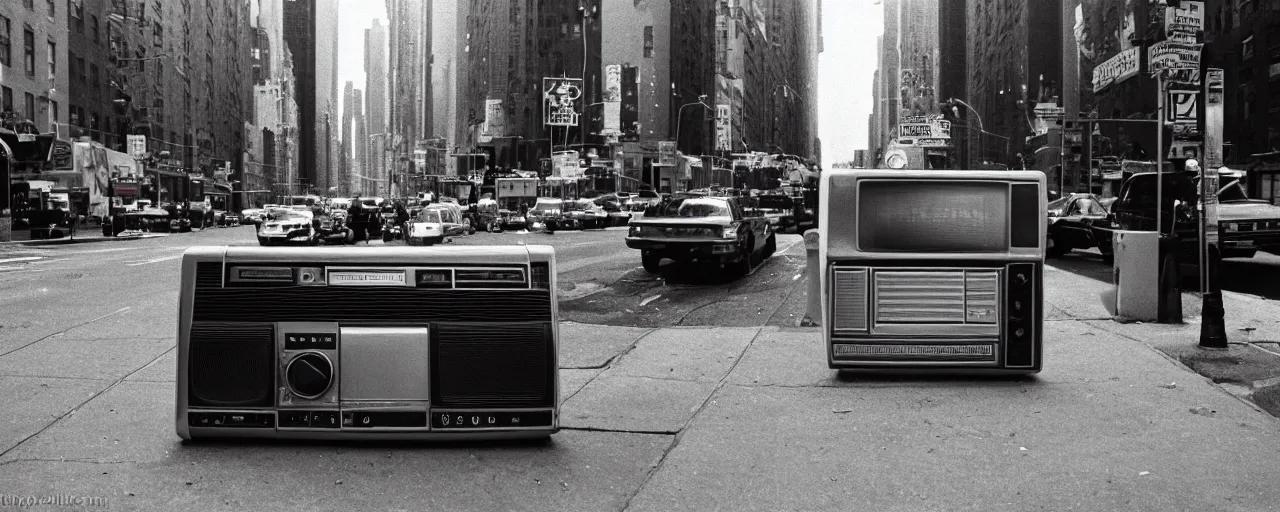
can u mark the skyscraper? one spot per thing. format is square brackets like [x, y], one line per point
[409, 59]
[375, 68]
[311, 33]
[348, 107]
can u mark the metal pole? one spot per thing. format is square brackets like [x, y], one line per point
[1088, 152]
[1160, 155]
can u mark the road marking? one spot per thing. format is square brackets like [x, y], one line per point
[25, 258]
[154, 260]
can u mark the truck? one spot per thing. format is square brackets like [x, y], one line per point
[511, 194]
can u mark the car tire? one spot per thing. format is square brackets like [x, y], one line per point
[770, 246]
[650, 261]
[1055, 248]
[265, 242]
[386, 236]
[742, 267]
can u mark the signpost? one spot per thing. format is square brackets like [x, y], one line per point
[1121, 67]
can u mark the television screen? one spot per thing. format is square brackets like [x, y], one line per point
[932, 216]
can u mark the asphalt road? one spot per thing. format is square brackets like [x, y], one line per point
[1259, 275]
[601, 281]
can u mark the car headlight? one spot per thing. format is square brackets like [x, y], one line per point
[633, 231]
[730, 232]
[1231, 227]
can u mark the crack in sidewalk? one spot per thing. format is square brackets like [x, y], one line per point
[82, 404]
[64, 331]
[74, 460]
[621, 431]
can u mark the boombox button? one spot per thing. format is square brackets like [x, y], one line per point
[324, 419]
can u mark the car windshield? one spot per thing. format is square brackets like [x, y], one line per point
[547, 205]
[1232, 192]
[1058, 204]
[431, 216]
[696, 207]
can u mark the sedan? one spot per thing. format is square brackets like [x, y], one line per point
[1079, 221]
[296, 227]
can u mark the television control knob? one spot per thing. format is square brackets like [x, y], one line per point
[309, 375]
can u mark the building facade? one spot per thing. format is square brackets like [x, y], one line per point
[92, 110]
[1014, 56]
[36, 84]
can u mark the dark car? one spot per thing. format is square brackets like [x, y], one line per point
[1245, 225]
[695, 229]
[1079, 221]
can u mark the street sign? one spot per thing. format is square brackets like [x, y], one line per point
[666, 152]
[724, 127]
[1213, 119]
[1182, 23]
[612, 100]
[137, 145]
[1166, 55]
[560, 98]
[1181, 107]
[1121, 67]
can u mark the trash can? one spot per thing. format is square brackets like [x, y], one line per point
[1136, 278]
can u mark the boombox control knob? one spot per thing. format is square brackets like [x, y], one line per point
[309, 375]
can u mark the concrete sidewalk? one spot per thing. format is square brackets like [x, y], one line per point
[683, 419]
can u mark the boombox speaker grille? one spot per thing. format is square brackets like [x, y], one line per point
[231, 365]
[493, 365]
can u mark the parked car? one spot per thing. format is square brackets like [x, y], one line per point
[696, 229]
[586, 214]
[1245, 225]
[546, 214]
[289, 227]
[1079, 221]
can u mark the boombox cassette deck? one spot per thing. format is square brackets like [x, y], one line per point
[395, 343]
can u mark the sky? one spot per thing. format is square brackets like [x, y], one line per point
[846, 67]
[354, 16]
[845, 70]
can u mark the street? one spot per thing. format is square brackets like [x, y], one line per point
[664, 381]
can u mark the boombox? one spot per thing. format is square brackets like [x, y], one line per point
[395, 343]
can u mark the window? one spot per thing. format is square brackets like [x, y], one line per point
[53, 59]
[30, 111]
[93, 122]
[93, 25]
[6, 96]
[53, 8]
[648, 42]
[53, 105]
[75, 116]
[29, 52]
[84, 70]
[5, 45]
[93, 75]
